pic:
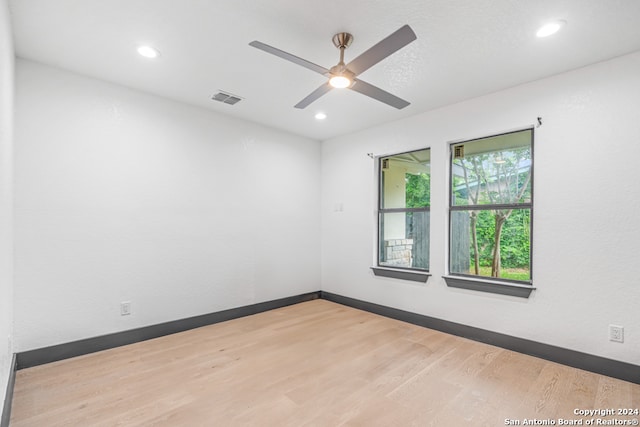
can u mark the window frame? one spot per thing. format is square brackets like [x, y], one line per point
[398, 272]
[499, 285]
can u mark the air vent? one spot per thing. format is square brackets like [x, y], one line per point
[458, 151]
[227, 98]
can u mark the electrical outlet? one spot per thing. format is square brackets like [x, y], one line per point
[125, 308]
[616, 333]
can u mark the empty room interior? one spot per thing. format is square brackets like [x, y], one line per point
[274, 213]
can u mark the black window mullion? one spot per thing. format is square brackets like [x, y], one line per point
[491, 207]
[401, 210]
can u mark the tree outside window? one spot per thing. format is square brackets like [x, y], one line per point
[491, 206]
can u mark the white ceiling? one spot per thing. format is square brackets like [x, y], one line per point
[465, 48]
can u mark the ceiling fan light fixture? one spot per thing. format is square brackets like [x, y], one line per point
[340, 81]
[341, 77]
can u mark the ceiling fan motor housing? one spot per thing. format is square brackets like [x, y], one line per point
[342, 40]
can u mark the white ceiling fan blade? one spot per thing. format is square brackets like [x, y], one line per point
[382, 49]
[289, 57]
[379, 94]
[324, 88]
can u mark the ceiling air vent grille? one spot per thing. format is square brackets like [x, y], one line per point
[227, 98]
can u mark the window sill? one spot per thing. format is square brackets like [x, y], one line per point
[491, 286]
[395, 273]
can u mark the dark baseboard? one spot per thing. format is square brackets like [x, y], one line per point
[8, 398]
[588, 362]
[54, 353]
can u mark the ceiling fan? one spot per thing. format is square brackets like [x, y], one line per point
[344, 76]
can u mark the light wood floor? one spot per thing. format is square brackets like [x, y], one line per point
[311, 364]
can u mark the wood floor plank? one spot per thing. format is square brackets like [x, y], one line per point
[312, 364]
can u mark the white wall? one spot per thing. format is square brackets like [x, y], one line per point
[587, 199]
[123, 196]
[6, 197]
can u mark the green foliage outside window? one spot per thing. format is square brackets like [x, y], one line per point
[494, 174]
[418, 190]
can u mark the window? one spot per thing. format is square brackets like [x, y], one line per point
[491, 202]
[403, 211]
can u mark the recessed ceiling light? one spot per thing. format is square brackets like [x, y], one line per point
[148, 51]
[320, 116]
[551, 28]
